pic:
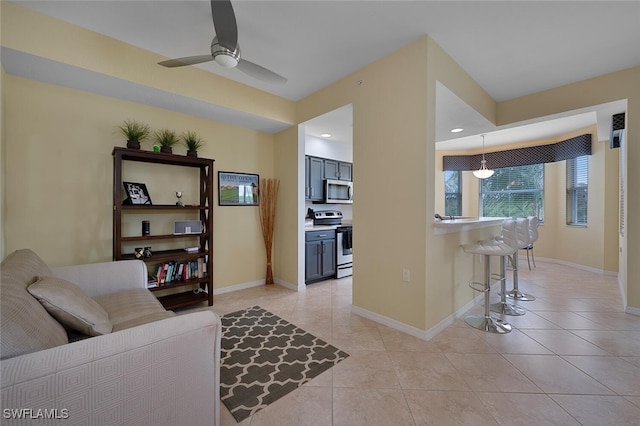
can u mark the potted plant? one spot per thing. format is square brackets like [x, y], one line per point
[135, 132]
[192, 141]
[166, 139]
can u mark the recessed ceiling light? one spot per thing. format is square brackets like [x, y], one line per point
[457, 130]
[326, 135]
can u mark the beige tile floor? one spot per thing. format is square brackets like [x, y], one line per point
[572, 359]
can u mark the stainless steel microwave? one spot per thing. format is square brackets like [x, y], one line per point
[338, 191]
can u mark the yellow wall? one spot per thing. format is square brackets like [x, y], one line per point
[287, 156]
[59, 173]
[390, 149]
[58, 145]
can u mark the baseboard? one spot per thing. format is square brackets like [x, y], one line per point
[389, 322]
[288, 285]
[578, 266]
[623, 293]
[243, 286]
[414, 331]
[632, 311]
[236, 287]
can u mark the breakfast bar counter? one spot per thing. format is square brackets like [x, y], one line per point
[460, 224]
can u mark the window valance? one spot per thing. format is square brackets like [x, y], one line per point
[559, 151]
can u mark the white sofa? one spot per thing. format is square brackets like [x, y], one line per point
[153, 368]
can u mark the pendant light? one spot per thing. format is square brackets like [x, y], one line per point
[483, 172]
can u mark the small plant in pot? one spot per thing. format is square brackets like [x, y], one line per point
[135, 132]
[193, 142]
[166, 139]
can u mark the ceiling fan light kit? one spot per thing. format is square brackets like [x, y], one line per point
[225, 50]
[223, 56]
[483, 172]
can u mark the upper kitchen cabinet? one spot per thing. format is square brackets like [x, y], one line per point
[334, 169]
[317, 169]
[314, 174]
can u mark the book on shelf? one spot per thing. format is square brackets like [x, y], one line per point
[176, 271]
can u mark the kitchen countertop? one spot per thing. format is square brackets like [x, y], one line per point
[327, 227]
[465, 224]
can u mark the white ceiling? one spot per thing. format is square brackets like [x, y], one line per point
[511, 48]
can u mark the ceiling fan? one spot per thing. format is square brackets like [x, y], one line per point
[224, 47]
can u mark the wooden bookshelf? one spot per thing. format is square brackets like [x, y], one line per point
[203, 291]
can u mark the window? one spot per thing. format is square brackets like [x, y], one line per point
[577, 190]
[514, 192]
[452, 193]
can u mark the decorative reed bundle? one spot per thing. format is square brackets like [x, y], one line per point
[268, 195]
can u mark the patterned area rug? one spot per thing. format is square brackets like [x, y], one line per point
[265, 357]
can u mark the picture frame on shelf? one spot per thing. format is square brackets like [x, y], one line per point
[238, 189]
[137, 193]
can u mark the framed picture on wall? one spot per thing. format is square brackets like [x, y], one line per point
[238, 189]
[136, 193]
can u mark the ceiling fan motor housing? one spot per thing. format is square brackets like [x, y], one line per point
[223, 56]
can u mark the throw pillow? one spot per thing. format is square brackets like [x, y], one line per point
[71, 306]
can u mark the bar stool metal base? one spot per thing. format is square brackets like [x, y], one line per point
[489, 324]
[503, 307]
[518, 295]
[507, 309]
[486, 322]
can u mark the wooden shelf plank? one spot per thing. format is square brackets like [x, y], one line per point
[161, 207]
[179, 300]
[161, 237]
[177, 284]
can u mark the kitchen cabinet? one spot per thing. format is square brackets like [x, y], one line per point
[317, 169]
[314, 174]
[320, 255]
[345, 171]
[334, 169]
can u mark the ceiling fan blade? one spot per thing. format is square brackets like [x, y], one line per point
[261, 73]
[224, 23]
[189, 60]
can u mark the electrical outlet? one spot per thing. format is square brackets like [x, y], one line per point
[406, 275]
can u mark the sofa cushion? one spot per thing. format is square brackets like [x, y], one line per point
[70, 305]
[134, 307]
[25, 326]
[144, 319]
[25, 266]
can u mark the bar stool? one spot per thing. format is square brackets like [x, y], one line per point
[522, 235]
[534, 222]
[509, 238]
[490, 248]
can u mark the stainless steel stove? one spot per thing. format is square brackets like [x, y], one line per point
[327, 217]
[344, 251]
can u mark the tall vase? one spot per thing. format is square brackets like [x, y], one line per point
[269, 277]
[268, 195]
